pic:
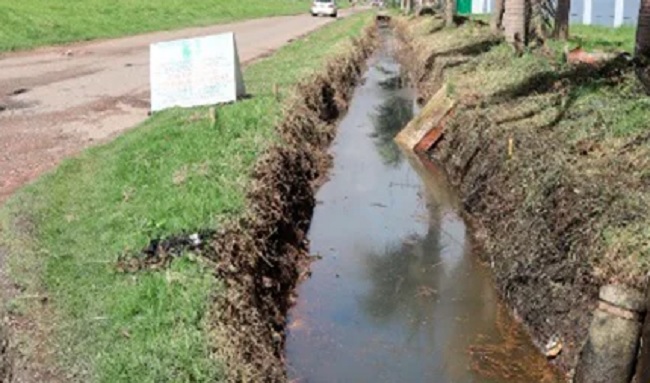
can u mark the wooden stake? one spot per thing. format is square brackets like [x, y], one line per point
[213, 116]
[510, 147]
[276, 91]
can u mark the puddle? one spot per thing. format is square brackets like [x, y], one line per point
[398, 295]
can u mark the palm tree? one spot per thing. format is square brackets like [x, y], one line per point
[497, 16]
[407, 6]
[642, 49]
[515, 23]
[643, 32]
[450, 13]
[561, 30]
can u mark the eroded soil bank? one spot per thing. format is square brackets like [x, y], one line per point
[557, 195]
[261, 257]
[397, 294]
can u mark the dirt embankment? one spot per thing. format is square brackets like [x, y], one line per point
[558, 208]
[263, 255]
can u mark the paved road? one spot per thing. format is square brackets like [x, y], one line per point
[57, 101]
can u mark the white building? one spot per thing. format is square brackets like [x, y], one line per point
[613, 13]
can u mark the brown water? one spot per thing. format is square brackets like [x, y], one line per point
[398, 295]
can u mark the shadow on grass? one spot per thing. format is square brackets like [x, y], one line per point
[572, 83]
[601, 43]
[461, 20]
[607, 73]
[469, 50]
[474, 49]
[437, 28]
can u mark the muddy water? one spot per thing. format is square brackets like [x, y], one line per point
[398, 295]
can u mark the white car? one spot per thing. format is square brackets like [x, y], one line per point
[324, 7]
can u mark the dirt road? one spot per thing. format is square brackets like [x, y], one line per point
[57, 101]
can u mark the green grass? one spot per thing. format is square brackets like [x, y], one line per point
[537, 96]
[31, 23]
[598, 38]
[592, 37]
[594, 105]
[175, 172]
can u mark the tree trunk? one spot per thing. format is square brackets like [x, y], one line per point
[408, 6]
[642, 49]
[643, 33]
[538, 21]
[514, 22]
[450, 13]
[561, 30]
[497, 16]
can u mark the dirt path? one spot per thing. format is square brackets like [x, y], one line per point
[57, 101]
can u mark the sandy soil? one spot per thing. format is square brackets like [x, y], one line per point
[57, 101]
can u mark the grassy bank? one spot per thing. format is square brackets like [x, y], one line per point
[31, 23]
[552, 163]
[179, 171]
[603, 38]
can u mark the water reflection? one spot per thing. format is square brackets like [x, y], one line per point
[394, 82]
[389, 119]
[397, 296]
[396, 108]
[403, 281]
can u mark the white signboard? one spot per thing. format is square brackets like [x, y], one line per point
[193, 72]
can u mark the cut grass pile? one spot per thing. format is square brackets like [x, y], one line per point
[32, 23]
[179, 171]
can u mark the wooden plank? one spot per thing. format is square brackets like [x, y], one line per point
[429, 118]
[434, 135]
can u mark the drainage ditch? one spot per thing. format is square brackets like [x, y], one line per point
[397, 293]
